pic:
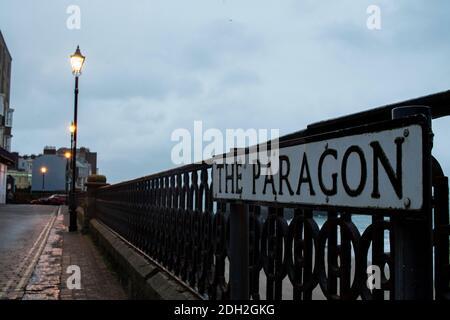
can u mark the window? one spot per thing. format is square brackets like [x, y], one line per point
[2, 129]
[7, 143]
[9, 117]
[2, 103]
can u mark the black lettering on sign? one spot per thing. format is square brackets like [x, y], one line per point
[394, 177]
[229, 177]
[362, 182]
[303, 179]
[220, 167]
[256, 174]
[269, 180]
[333, 190]
[285, 176]
[238, 178]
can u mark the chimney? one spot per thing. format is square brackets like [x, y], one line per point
[50, 150]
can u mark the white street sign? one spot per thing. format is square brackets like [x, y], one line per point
[381, 169]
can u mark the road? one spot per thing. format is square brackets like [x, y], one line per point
[23, 232]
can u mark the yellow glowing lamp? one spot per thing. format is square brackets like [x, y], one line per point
[72, 128]
[77, 61]
[44, 170]
[67, 155]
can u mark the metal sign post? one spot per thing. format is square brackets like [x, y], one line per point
[413, 267]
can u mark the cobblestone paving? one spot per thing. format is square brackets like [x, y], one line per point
[33, 264]
[21, 234]
[46, 278]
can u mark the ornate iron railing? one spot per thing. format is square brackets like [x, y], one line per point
[172, 217]
[294, 252]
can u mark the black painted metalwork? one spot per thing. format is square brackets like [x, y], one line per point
[72, 201]
[173, 218]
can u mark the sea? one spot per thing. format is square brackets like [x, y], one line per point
[361, 222]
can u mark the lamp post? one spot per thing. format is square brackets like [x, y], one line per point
[71, 130]
[67, 155]
[76, 61]
[43, 171]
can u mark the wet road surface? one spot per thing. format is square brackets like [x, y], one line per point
[23, 230]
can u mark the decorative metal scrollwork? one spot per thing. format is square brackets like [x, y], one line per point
[301, 246]
[338, 263]
[173, 219]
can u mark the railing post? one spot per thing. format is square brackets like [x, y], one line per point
[239, 252]
[413, 260]
[441, 236]
[94, 183]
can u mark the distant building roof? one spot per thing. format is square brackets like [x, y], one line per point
[6, 157]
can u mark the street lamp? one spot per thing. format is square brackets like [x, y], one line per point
[72, 128]
[43, 171]
[76, 61]
[67, 155]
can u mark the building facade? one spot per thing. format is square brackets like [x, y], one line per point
[84, 155]
[22, 171]
[22, 179]
[54, 179]
[6, 112]
[86, 165]
[58, 176]
[25, 163]
[6, 116]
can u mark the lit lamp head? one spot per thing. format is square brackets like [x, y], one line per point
[44, 170]
[72, 128]
[67, 155]
[77, 61]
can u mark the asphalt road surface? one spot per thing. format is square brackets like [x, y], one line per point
[23, 231]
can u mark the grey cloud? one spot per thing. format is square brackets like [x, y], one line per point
[155, 66]
[217, 41]
[240, 77]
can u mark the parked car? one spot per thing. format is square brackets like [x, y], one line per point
[39, 201]
[53, 200]
[57, 199]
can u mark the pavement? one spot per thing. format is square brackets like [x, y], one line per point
[41, 260]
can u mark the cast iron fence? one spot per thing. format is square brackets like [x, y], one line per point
[173, 218]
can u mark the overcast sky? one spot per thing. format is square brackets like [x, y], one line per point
[155, 66]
